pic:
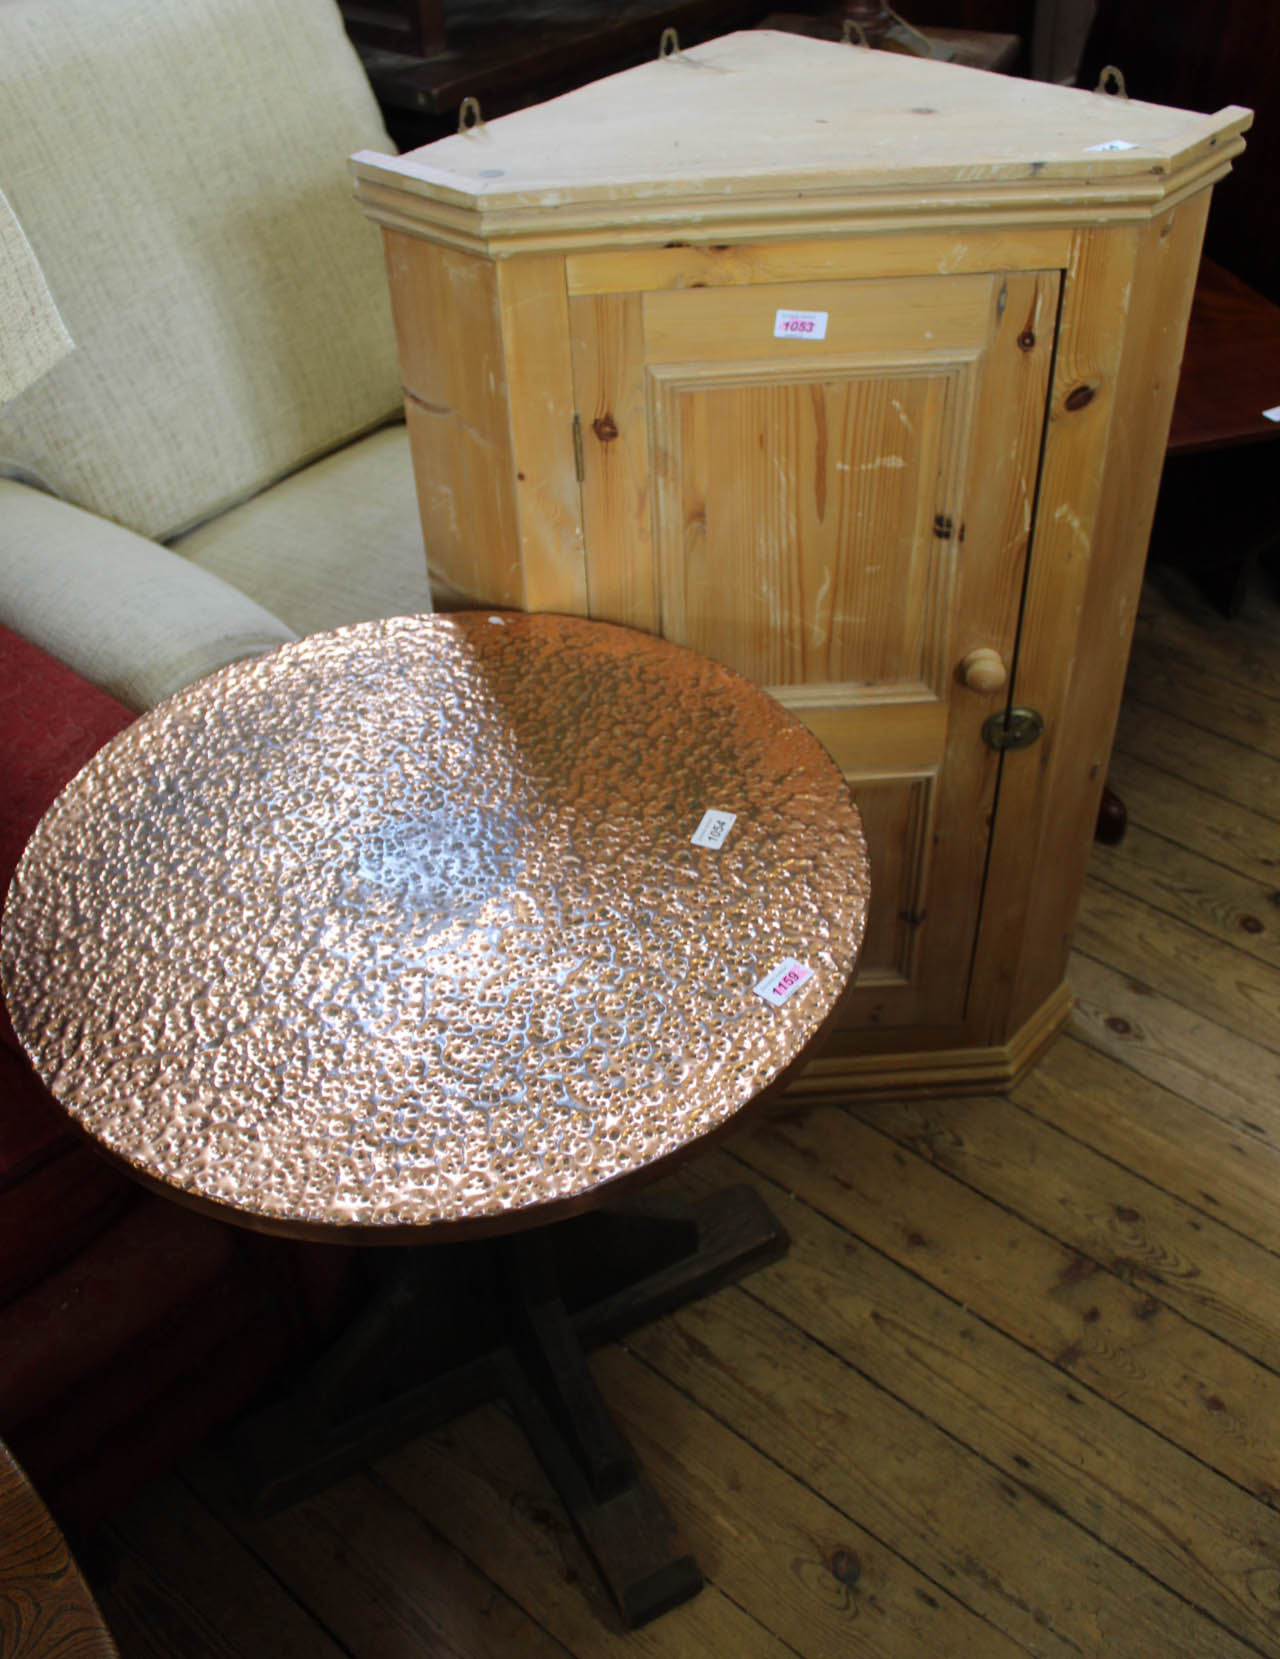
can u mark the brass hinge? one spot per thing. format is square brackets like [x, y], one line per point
[578, 466]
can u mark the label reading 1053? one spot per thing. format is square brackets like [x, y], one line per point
[800, 325]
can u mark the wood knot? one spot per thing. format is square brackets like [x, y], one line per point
[846, 1566]
[1027, 339]
[1080, 397]
[605, 428]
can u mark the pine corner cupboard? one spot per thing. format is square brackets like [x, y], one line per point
[854, 371]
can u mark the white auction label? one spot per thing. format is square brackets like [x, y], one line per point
[1272, 414]
[800, 325]
[785, 979]
[1114, 144]
[714, 829]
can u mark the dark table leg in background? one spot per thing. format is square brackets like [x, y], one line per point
[448, 1327]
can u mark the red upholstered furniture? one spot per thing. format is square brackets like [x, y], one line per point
[129, 1327]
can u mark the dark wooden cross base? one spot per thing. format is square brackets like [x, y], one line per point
[448, 1327]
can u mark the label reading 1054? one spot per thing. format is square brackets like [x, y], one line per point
[800, 325]
[713, 829]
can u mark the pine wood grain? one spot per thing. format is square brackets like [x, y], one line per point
[1181, 963]
[1209, 1398]
[1117, 1479]
[1193, 752]
[480, 1484]
[989, 1540]
[1203, 697]
[1177, 625]
[46, 1609]
[1152, 1036]
[801, 1566]
[447, 312]
[1225, 831]
[796, 1564]
[608, 358]
[1125, 301]
[541, 397]
[770, 117]
[1215, 900]
[1228, 1164]
[690, 266]
[1115, 1217]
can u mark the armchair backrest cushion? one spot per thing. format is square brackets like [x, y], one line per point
[179, 169]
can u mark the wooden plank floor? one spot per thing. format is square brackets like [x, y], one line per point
[1016, 1388]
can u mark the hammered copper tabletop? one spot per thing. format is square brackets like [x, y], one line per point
[404, 926]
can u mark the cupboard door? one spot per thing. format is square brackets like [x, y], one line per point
[842, 513]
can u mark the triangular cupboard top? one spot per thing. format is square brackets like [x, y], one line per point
[760, 121]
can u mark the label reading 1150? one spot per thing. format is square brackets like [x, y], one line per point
[800, 325]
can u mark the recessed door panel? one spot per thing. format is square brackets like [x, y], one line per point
[797, 519]
[842, 519]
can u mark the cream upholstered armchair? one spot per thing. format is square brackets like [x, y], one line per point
[213, 460]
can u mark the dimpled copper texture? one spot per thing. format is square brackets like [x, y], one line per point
[401, 926]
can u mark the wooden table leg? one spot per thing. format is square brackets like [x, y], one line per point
[624, 1525]
[515, 1317]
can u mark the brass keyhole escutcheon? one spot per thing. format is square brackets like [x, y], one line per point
[1013, 729]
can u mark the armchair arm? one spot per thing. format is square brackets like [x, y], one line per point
[133, 617]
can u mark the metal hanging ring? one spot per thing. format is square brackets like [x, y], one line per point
[854, 34]
[669, 45]
[469, 116]
[1111, 81]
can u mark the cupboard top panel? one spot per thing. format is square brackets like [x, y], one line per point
[766, 112]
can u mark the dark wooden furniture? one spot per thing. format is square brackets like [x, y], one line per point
[1194, 56]
[507, 55]
[412, 27]
[1216, 513]
[1215, 516]
[1230, 367]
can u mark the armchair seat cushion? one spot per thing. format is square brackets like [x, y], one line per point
[338, 542]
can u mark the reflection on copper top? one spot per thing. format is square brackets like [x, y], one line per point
[403, 925]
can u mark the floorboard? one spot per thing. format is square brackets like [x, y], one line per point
[1217, 828]
[1012, 1392]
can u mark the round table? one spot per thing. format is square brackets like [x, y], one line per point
[440, 927]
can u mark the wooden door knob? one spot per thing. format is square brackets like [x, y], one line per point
[984, 670]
